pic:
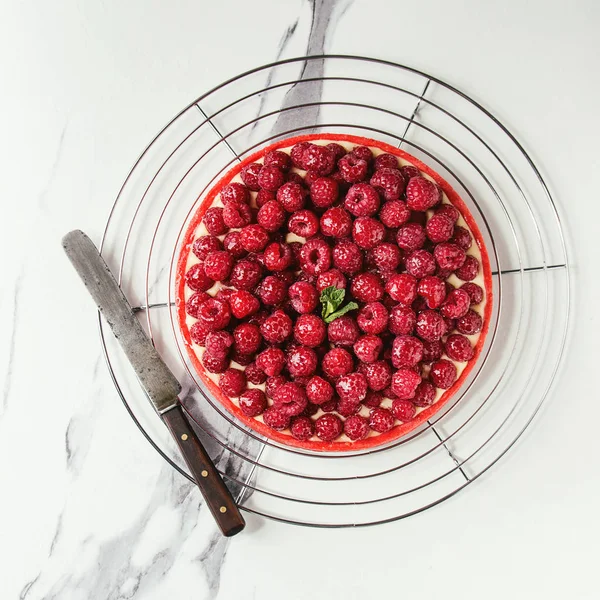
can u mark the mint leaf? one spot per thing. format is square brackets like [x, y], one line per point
[342, 311]
[331, 299]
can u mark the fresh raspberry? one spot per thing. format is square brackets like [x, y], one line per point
[377, 374]
[276, 419]
[290, 398]
[367, 348]
[456, 304]
[443, 374]
[304, 223]
[352, 387]
[218, 343]
[213, 363]
[232, 382]
[245, 274]
[196, 279]
[301, 361]
[394, 214]
[254, 238]
[273, 383]
[279, 159]
[439, 228]
[362, 200]
[332, 278]
[422, 194]
[411, 236]
[264, 196]
[315, 257]
[337, 149]
[236, 215]
[389, 183]
[224, 294]
[407, 351]
[402, 288]
[247, 338]
[347, 257]
[304, 297]
[310, 410]
[402, 320]
[469, 269]
[449, 211]
[449, 256]
[277, 327]
[343, 331]
[218, 265]
[272, 290]
[450, 325]
[430, 325]
[381, 420]
[475, 292]
[404, 383]
[320, 159]
[232, 244]
[235, 192]
[253, 402]
[241, 358]
[362, 152]
[347, 408]
[367, 232]
[433, 289]
[287, 276]
[324, 192]
[366, 287]
[356, 427]
[372, 318]
[462, 238]
[470, 323]
[302, 428]
[193, 303]
[420, 263]
[386, 161]
[353, 169]
[403, 410]
[214, 314]
[337, 362]
[292, 196]
[249, 175]
[205, 244]
[278, 256]
[309, 330]
[432, 351]
[386, 256]
[243, 304]
[373, 399]
[328, 427]
[336, 222]
[424, 394]
[458, 347]
[318, 390]
[271, 178]
[198, 333]
[297, 152]
[271, 216]
[271, 361]
[255, 375]
[410, 171]
[213, 221]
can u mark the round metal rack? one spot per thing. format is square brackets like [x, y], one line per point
[505, 192]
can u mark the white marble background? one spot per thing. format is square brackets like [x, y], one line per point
[87, 509]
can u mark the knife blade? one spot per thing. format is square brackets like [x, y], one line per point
[158, 381]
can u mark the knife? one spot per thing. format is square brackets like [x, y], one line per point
[156, 378]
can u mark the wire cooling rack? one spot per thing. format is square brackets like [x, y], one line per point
[505, 192]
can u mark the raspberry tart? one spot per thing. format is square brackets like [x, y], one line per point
[333, 292]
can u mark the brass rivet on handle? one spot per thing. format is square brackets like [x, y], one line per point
[223, 509]
[204, 473]
[184, 437]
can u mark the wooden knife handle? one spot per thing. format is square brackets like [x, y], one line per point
[209, 480]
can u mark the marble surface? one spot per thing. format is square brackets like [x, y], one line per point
[88, 509]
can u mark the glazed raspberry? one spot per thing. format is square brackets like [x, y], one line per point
[249, 175]
[232, 382]
[235, 192]
[304, 223]
[372, 318]
[356, 427]
[432, 351]
[430, 325]
[469, 269]
[277, 327]
[292, 196]
[318, 390]
[236, 215]
[194, 302]
[433, 289]
[449, 256]
[328, 427]
[309, 330]
[353, 169]
[290, 398]
[343, 331]
[331, 278]
[247, 338]
[213, 363]
[367, 348]
[352, 387]
[264, 196]
[470, 323]
[301, 362]
[347, 257]
[254, 238]
[443, 374]
[407, 351]
[232, 244]
[389, 183]
[367, 232]
[378, 375]
[363, 152]
[243, 304]
[302, 428]
[458, 347]
[205, 244]
[410, 171]
[386, 256]
[420, 263]
[381, 420]
[218, 343]
[270, 178]
[336, 222]
[411, 236]
[278, 159]
[362, 200]
[214, 314]
[278, 256]
[403, 410]
[404, 383]
[303, 297]
[213, 221]
[402, 288]
[271, 215]
[253, 402]
[366, 287]
[272, 290]
[315, 257]
[449, 211]
[456, 304]
[276, 419]
[324, 192]
[255, 374]
[198, 333]
[245, 274]
[197, 280]
[475, 292]
[319, 159]
[424, 394]
[273, 383]
[347, 408]
[439, 228]
[395, 213]
[422, 194]
[337, 362]
[462, 238]
[297, 152]
[271, 361]
[386, 161]
[218, 265]
[402, 320]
